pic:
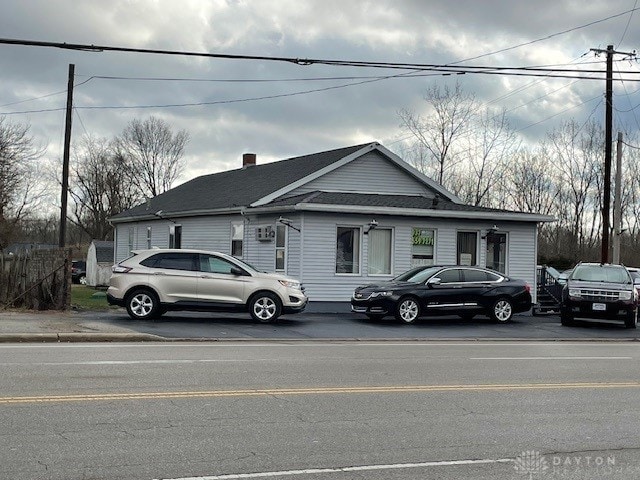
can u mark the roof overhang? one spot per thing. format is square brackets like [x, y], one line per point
[176, 215]
[407, 212]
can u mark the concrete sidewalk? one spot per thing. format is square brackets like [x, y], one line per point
[57, 326]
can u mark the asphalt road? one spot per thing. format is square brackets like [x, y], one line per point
[349, 326]
[320, 410]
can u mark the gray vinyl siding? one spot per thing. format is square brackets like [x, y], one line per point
[369, 173]
[206, 233]
[319, 250]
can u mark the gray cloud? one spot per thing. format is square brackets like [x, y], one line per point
[418, 31]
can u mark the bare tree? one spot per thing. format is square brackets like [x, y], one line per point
[490, 144]
[19, 187]
[446, 122]
[152, 154]
[100, 188]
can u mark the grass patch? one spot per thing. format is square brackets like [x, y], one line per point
[87, 298]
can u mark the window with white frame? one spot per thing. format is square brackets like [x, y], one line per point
[348, 250]
[175, 236]
[131, 238]
[379, 253]
[497, 252]
[148, 237]
[467, 248]
[281, 243]
[422, 246]
[237, 237]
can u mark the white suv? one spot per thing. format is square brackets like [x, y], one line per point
[151, 282]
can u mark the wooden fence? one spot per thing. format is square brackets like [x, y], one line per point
[37, 280]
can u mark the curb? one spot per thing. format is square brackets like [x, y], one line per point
[78, 337]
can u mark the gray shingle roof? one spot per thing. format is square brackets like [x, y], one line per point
[237, 188]
[382, 201]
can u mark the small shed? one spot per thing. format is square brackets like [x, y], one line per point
[99, 261]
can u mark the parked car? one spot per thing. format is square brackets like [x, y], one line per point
[600, 292]
[635, 276]
[79, 272]
[151, 282]
[444, 290]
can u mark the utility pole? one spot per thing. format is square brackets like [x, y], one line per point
[606, 201]
[617, 203]
[65, 159]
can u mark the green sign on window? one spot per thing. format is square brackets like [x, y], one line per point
[422, 237]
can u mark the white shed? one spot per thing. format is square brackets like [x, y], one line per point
[100, 258]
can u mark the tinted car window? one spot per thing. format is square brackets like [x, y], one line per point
[479, 276]
[417, 275]
[213, 264]
[449, 276]
[170, 261]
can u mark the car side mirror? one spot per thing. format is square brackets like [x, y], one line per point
[434, 282]
[562, 279]
[237, 271]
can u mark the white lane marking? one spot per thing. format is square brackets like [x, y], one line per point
[141, 362]
[551, 358]
[359, 468]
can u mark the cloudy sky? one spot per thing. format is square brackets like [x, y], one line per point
[222, 104]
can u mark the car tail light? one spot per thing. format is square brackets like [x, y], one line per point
[120, 269]
[527, 287]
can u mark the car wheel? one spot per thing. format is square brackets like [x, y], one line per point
[566, 319]
[632, 319]
[265, 307]
[408, 310]
[502, 311]
[143, 304]
[375, 316]
[82, 280]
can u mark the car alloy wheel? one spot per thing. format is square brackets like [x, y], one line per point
[502, 311]
[142, 304]
[82, 280]
[408, 310]
[265, 308]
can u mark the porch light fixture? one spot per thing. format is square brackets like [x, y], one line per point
[491, 231]
[372, 224]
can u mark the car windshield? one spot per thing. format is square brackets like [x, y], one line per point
[246, 265]
[601, 273]
[417, 275]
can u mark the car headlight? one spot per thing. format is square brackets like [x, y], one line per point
[290, 284]
[574, 292]
[386, 293]
[624, 296]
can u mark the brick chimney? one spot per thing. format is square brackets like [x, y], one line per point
[248, 160]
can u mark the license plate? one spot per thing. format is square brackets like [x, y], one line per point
[600, 307]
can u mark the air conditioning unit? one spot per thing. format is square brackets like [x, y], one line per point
[265, 234]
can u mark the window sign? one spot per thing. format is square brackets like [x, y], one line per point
[422, 246]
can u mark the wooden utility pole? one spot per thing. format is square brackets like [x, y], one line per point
[617, 203]
[608, 140]
[65, 159]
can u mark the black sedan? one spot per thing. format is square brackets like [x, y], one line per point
[444, 290]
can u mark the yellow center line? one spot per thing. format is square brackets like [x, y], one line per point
[314, 391]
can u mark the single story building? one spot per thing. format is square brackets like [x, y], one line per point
[334, 220]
